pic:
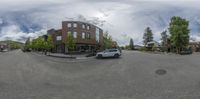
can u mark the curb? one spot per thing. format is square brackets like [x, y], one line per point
[78, 58]
[61, 56]
[67, 57]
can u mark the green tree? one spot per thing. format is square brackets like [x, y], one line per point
[131, 44]
[179, 32]
[70, 43]
[27, 44]
[34, 44]
[107, 41]
[49, 43]
[15, 45]
[127, 47]
[164, 38]
[122, 47]
[148, 36]
[154, 47]
[40, 43]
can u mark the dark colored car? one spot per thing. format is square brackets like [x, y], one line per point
[186, 51]
[26, 50]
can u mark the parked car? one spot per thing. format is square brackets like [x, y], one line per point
[186, 51]
[109, 53]
[5, 50]
[26, 50]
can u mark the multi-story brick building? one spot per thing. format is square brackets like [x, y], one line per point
[88, 37]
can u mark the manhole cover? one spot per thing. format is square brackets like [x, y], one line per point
[161, 72]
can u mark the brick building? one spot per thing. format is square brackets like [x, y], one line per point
[88, 37]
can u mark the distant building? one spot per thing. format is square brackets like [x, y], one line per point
[138, 47]
[88, 37]
[114, 44]
[195, 46]
[3, 46]
[153, 45]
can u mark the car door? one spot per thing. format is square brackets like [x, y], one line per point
[114, 52]
[111, 53]
[106, 53]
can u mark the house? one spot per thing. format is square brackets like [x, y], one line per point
[137, 47]
[155, 46]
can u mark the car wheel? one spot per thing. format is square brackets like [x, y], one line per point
[100, 56]
[116, 55]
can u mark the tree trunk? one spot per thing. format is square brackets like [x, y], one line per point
[70, 54]
[178, 50]
[45, 52]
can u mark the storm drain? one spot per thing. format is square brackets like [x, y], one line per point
[161, 72]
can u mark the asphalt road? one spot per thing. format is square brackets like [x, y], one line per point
[33, 76]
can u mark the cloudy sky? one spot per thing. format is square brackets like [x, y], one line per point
[123, 19]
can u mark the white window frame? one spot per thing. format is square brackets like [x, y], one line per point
[88, 27]
[69, 25]
[75, 25]
[83, 35]
[98, 35]
[83, 26]
[58, 38]
[69, 32]
[88, 35]
[75, 34]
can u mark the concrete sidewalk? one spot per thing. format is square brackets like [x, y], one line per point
[60, 55]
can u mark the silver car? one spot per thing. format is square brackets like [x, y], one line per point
[109, 53]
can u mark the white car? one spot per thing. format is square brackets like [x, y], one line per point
[109, 53]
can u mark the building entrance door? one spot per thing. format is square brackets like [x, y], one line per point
[58, 48]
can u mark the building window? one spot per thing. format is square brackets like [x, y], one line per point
[88, 27]
[83, 26]
[58, 38]
[83, 35]
[75, 34]
[88, 35]
[69, 25]
[75, 25]
[69, 33]
[97, 35]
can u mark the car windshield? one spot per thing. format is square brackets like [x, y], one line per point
[99, 49]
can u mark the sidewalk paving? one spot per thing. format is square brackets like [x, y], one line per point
[60, 55]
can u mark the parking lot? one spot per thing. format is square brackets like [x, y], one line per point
[135, 75]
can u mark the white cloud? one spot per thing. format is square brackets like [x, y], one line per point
[13, 32]
[1, 21]
[124, 19]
